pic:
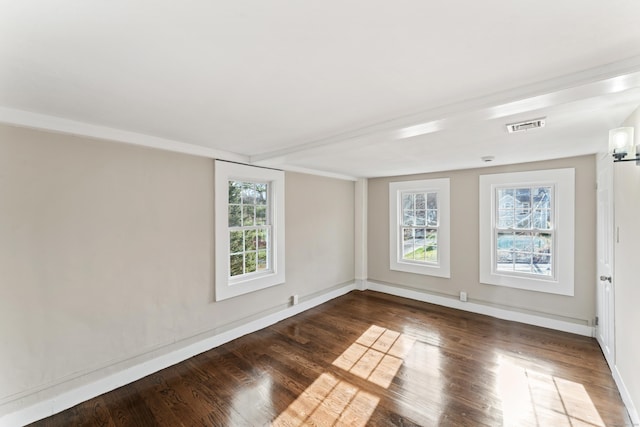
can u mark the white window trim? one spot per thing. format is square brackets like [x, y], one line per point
[227, 287]
[563, 182]
[443, 267]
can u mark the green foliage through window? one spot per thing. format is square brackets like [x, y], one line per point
[420, 226]
[249, 228]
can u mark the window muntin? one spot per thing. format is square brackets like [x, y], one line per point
[524, 230]
[249, 228]
[419, 228]
[528, 223]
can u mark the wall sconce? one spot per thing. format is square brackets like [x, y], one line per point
[621, 144]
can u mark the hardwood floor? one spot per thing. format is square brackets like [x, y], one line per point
[372, 359]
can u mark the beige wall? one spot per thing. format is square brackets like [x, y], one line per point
[626, 275]
[465, 244]
[106, 257]
[320, 232]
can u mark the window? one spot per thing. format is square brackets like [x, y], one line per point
[249, 228]
[526, 230]
[419, 227]
[249, 237]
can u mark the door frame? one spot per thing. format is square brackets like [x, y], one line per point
[608, 349]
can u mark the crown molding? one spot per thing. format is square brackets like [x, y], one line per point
[606, 79]
[49, 123]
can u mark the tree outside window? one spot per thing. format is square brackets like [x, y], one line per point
[249, 228]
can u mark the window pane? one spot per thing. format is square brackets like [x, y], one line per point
[523, 242]
[542, 265]
[261, 194]
[420, 244]
[248, 216]
[420, 217]
[262, 260]
[432, 200]
[431, 253]
[250, 240]
[263, 238]
[542, 243]
[248, 193]
[506, 218]
[505, 261]
[523, 218]
[420, 201]
[525, 209]
[235, 189]
[407, 201]
[432, 218]
[542, 219]
[407, 243]
[523, 262]
[408, 218]
[505, 241]
[235, 242]
[235, 216]
[248, 207]
[523, 198]
[250, 262]
[431, 237]
[236, 265]
[261, 215]
[542, 197]
[506, 199]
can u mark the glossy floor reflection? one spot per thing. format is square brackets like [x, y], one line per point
[328, 402]
[370, 359]
[375, 356]
[533, 398]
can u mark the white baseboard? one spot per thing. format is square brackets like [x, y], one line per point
[361, 284]
[80, 394]
[626, 397]
[514, 316]
[500, 313]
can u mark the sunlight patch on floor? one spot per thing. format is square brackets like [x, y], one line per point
[531, 398]
[376, 356]
[329, 401]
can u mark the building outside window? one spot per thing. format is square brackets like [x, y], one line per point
[524, 230]
[419, 227]
[527, 230]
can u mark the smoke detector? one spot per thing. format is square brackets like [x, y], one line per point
[526, 125]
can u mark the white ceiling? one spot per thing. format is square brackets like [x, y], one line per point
[326, 86]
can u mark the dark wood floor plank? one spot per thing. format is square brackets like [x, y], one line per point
[368, 358]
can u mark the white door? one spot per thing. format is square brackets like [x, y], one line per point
[605, 332]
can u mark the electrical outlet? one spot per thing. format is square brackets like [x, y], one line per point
[294, 299]
[463, 296]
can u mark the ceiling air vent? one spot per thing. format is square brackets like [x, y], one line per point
[526, 125]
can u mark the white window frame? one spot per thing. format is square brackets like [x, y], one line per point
[225, 285]
[563, 205]
[441, 268]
